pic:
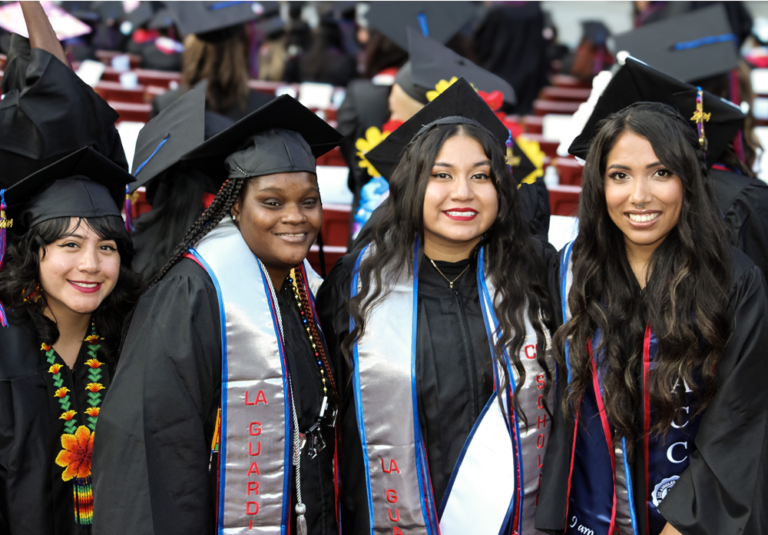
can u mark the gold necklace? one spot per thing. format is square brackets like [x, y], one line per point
[450, 282]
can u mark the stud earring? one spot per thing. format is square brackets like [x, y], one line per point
[234, 217]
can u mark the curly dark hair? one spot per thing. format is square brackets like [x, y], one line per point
[513, 264]
[20, 277]
[686, 294]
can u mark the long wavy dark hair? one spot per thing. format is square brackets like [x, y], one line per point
[513, 263]
[21, 276]
[686, 293]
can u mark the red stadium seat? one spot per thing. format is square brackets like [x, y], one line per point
[532, 124]
[569, 170]
[331, 252]
[332, 158]
[139, 204]
[549, 147]
[267, 87]
[565, 94]
[564, 200]
[545, 107]
[131, 112]
[336, 224]
[2, 61]
[115, 92]
[564, 80]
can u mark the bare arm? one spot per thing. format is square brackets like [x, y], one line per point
[41, 34]
[669, 530]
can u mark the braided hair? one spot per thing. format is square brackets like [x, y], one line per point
[219, 208]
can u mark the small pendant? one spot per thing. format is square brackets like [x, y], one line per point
[451, 285]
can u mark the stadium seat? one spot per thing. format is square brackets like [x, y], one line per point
[564, 200]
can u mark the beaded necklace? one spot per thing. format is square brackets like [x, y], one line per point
[77, 442]
[328, 409]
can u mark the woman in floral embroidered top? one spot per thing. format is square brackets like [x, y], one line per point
[65, 289]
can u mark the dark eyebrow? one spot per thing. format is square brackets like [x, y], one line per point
[478, 164]
[617, 166]
[72, 236]
[280, 190]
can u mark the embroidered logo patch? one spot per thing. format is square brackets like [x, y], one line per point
[662, 488]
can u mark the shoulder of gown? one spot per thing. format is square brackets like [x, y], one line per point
[151, 457]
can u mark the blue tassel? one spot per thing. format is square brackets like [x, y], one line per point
[128, 205]
[4, 224]
[423, 24]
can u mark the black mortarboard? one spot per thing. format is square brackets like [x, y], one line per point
[212, 21]
[432, 62]
[164, 18]
[458, 101]
[83, 184]
[140, 16]
[167, 137]
[438, 20]
[283, 113]
[48, 112]
[637, 82]
[595, 32]
[272, 27]
[691, 47]
[109, 10]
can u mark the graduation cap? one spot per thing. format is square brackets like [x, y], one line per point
[272, 27]
[64, 25]
[212, 21]
[282, 113]
[691, 47]
[138, 17]
[595, 32]
[637, 82]
[82, 184]
[438, 20]
[164, 18]
[460, 103]
[168, 136]
[431, 62]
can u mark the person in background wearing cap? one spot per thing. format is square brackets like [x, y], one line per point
[47, 111]
[215, 49]
[152, 32]
[65, 286]
[453, 341]
[661, 426]
[223, 412]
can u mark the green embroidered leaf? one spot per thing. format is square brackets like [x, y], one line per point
[94, 395]
[58, 382]
[92, 419]
[93, 403]
[65, 404]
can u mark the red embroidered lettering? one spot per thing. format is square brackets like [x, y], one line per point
[250, 526]
[391, 496]
[246, 399]
[252, 508]
[392, 467]
[254, 469]
[539, 442]
[540, 419]
[532, 349]
[397, 531]
[540, 465]
[253, 486]
[254, 432]
[260, 398]
[536, 503]
[540, 402]
[250, 449]
[540, 382]
[397, 515]
[540, 477]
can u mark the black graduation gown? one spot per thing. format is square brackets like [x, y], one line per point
[365, 105]
[725, 488]
[157, 425]
[743, 201]
[47, 112]
[256, 100]
[454, 374]
[34, 499]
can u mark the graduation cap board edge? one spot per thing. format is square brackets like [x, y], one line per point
[432, 63]
[638, 82]
[694, 46]
[437, 20]
[212, 21]
[283, 112]
[459, 100]
[174, 132]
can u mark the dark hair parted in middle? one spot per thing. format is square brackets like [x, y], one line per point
[513, 264]
[686, 295]
[21, 275]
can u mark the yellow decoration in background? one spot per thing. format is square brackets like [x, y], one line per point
[373, 136]
[441, 86]
[533, 151]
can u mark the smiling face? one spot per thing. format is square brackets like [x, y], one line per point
[643, 197]
[78, 271]
[460, 202]
[279, 217]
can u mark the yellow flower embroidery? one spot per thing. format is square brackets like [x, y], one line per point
[93, 363]
[94, 387]
[67, 415]
[373, 136]
[56, 368]
[441, 86]
[45, 347]
[92, 411]
[61, 392]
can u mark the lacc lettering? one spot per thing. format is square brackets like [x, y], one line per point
[252, 508]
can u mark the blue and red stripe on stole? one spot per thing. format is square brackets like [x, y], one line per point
[591, 488]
